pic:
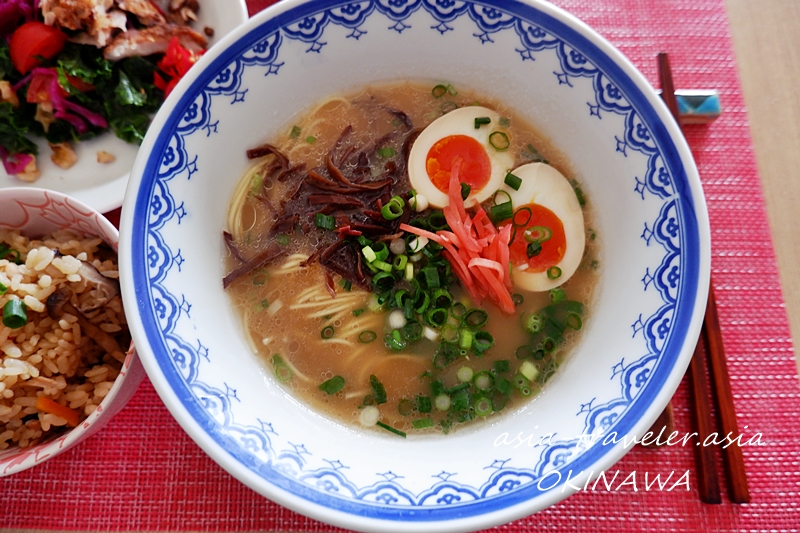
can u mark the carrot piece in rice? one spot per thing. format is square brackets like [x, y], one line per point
[47, 405]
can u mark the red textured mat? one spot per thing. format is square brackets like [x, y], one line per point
[143, 473]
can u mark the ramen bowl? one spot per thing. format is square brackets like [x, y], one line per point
[592, 104]
[35, 213]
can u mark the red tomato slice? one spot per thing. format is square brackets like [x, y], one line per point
[34, 39]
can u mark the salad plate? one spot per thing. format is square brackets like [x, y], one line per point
[102, 185]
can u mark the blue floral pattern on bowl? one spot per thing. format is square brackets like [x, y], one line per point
[670, 234]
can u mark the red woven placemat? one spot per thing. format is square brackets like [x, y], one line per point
[143, 473]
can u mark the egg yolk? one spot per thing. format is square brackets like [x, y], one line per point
[541, 222]
[475, 171]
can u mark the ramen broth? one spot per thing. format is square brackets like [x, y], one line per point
[309, 338]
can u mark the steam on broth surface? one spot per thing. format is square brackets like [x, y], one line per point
[433, 323]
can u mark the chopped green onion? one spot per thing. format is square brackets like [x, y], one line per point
[442, 402]
[499, 141]
[476, 318]
[450, 334]
[482, 406]
[282, 239]
[495, 201]
[358, 312]
[311, 139]
[261, 277]
[483, 380]
[447, 106]
[327, 332]
[383, 281]
[424, 404]
[367, 336]
[501, 365]
[400, 262]
[533, 249]
[394, 341]
[15, 314]
[526, 210]
[295, 133]
[483, 341]
[369, 254]
[386, 152]
[524, 351]
[528, 370]
[321, 220]
[439, 91]
[465, 190]
[579, 194]
[333, 385]
[409, 273]
[382, 265]
[405, 407]
[400, 298]
[525, 391]
[377, 389]
[502, 385]
[533, 154]
[464, 374]
[260, 306]
[574, 321]
[391, 429]
[499, 400]
[466, 339]
[553, 272]
[282, 370]
[461, 400]
[512, 181]
[482, 121]
[3, 289]
[431, 275]
[392, 210]
[412, 331]
[436, 316]
[557, 295]
[538, 234]
[346, 284]
[381, 251]
[501, 212]
[535, 323]
[442, 298]
[422, 423]
[458, 311]
[363, 241]
[520, 381]
[421, 301]
[437, 221]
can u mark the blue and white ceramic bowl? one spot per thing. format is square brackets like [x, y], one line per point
[596, 108]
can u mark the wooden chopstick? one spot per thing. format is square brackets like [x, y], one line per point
[707, 475]
[732, 454]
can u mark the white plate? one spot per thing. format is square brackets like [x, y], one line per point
[102, 186]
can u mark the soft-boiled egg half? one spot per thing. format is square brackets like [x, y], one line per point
[472, 134]
[548, 243]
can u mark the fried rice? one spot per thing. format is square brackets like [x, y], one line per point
[57, 367]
